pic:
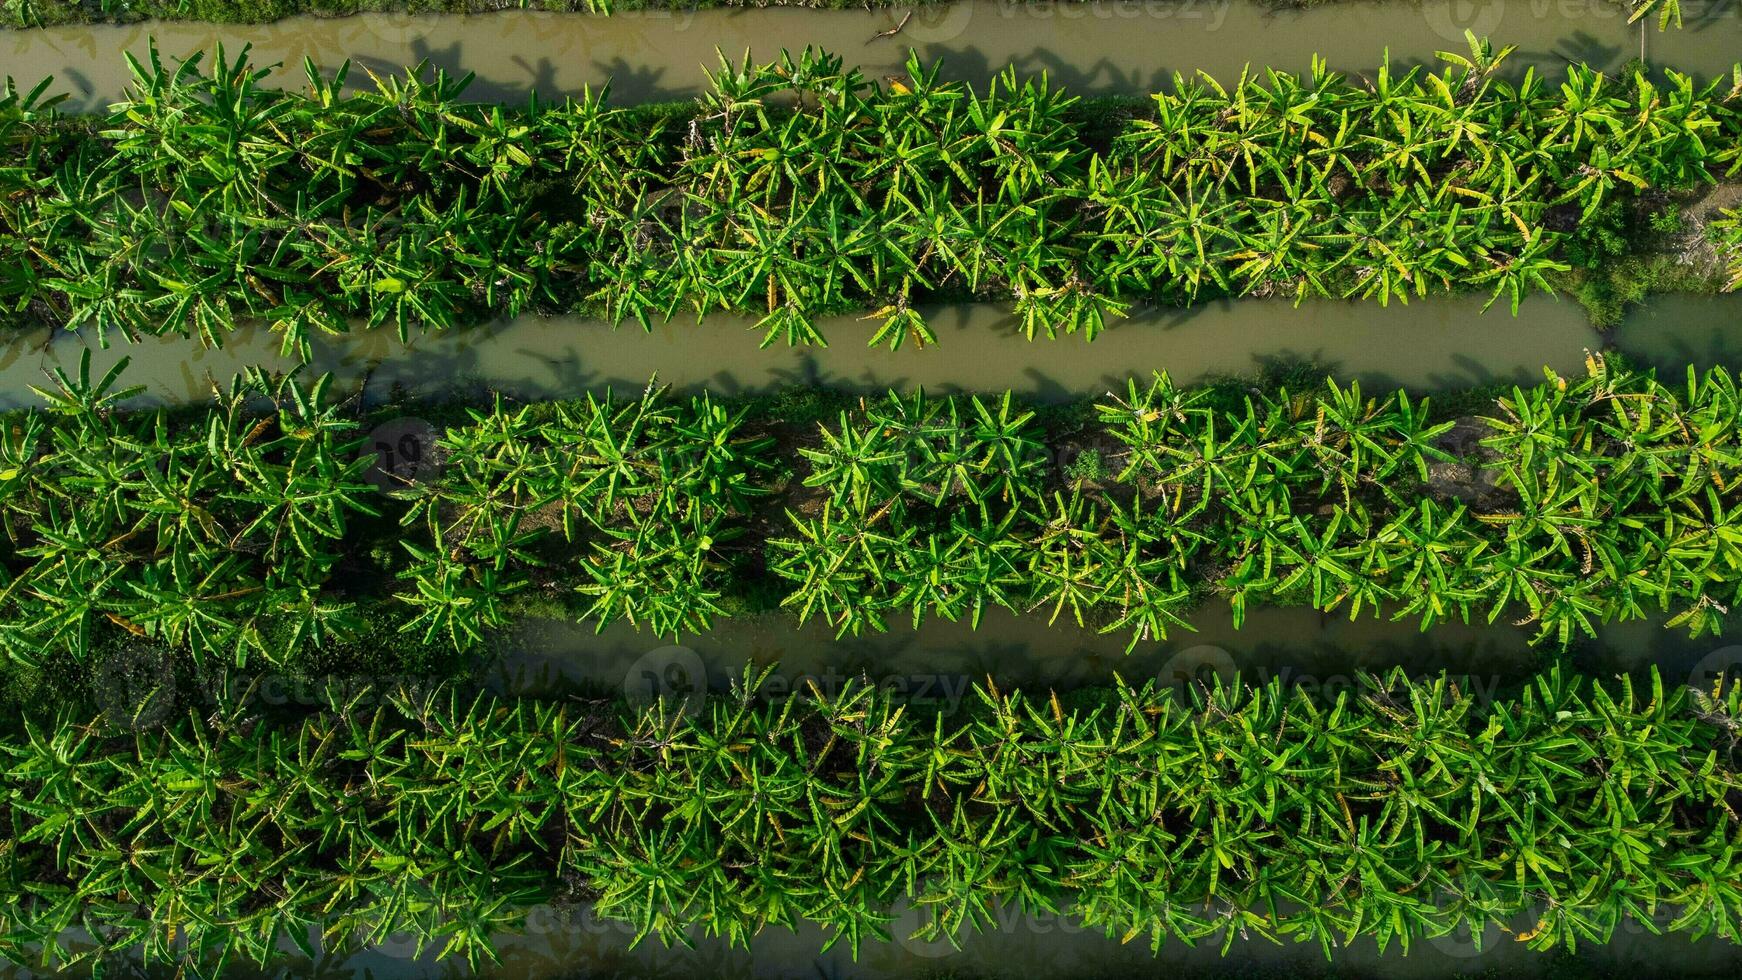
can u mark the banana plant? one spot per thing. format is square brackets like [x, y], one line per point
[798, 189]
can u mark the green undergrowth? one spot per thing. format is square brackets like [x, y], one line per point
[249, 531]
[1399, 813]
[798, 189]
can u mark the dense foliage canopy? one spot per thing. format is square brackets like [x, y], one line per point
[799, 188]
[248, 529]
[1574, 502]
[1400, 812]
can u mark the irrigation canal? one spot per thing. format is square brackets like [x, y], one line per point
[1091, 47]
[1437, 344]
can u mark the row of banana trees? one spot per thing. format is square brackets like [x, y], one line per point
[635, 504]
[1727, 234]
[798, 188]
[1577, 502]
[1401, 812]
[216, 534]
[249, 529]
[253, 529]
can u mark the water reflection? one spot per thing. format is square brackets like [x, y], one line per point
[571, 941]
[1097, 46]
[1430, 345]
[1673, 331]
[935, 665]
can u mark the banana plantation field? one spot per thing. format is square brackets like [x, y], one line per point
[245, 531]
[421, 561]
[1400, 812]
[798, 188]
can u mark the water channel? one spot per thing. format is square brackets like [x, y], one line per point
[1097, 46]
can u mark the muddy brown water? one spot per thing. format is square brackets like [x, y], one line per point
[1438, 344]
[1097, 46]
[1675, 330]
[935, 665]
[574, 942]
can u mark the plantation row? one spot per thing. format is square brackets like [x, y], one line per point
[236, 532]
[1401, 812]
[798, 188]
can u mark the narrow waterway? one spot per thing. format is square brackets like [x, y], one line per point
[1024, 947]
[1429, 345]
[935, 665]
[1099, 46]
[1677, 329]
